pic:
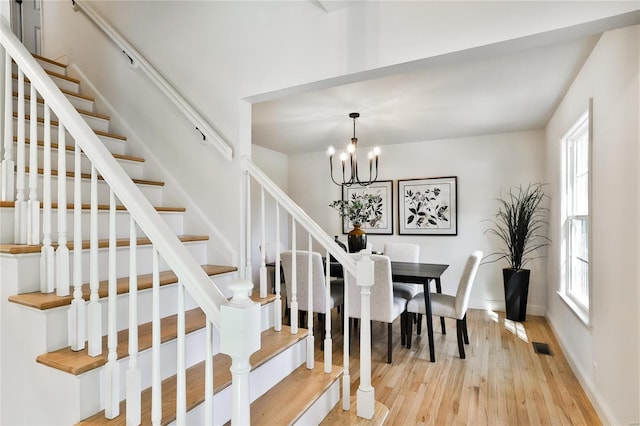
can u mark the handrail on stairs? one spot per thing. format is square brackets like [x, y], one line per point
[138, 61]
[188, 270]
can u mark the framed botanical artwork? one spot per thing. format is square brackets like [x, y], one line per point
[428, 206]
[382, 210]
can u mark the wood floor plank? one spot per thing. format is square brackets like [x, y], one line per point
[501, 382]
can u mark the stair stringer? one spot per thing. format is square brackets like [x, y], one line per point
[220, 250]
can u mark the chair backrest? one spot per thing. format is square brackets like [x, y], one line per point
[402, 252]
[302, 279]
[466, 282]
[381, 292]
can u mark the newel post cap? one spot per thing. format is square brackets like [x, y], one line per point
[240, 322]
[364, 269]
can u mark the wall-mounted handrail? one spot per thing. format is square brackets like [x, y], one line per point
[177, 256]
[137, 60]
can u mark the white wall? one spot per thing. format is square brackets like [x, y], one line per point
[483, 165]
[610, 77]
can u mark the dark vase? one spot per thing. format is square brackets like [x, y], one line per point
[356, 239]
[516, 291]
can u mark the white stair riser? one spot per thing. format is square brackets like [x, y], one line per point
[46, 65]
[40, 133]
[51, 67]
[96, 123]
[25, 268]
[135, 169]
[55, 322]
[7, 215]
[62, 83]
[260, 380]
[152, 192]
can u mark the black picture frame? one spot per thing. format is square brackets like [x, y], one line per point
[428, 206]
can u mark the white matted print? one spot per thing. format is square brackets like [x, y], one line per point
[428, 206]
[383, 221]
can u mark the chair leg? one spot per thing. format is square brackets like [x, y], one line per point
[464, 329]
[403, 328]
[419, 325]
[323, 329]
[389, 342]
[444, 331]
[409, 329]
[459, 330]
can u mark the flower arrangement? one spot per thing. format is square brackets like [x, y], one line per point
[360, 208]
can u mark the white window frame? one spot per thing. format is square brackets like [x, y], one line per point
[575, 298]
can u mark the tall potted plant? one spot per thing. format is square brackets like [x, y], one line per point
[520, 224]
[359, 209]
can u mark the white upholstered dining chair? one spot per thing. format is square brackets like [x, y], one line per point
[385, 305]
[404, 252]
[444, 305]
[319, 287]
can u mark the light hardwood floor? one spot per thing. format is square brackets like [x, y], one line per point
[502, 381]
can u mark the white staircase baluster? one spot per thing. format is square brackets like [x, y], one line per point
[278, 302]
[156, 385]
[263, 245]
[310, 337]
[47, 254]
[366, 393]
[112, 369]
[20, 209]
[246, 272]
[181, 386]
[94, 309]
[62, 252]
[328, 345]
[33, 206]
[134, 378]
[346, 376]
[77, 312]
[293, 311]
[8, 166]
[208, 376]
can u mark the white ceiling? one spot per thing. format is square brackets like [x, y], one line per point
[474, 94]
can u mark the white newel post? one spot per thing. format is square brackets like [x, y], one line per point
[239, 338]
[366, 393]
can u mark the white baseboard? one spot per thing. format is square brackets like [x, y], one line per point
[587, 384]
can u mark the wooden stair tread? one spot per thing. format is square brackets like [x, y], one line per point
[55, 123]
[81, 111]
[288, 400]
[169, 209]
[88, 176]
[78, 362]
[51, 61]
[52, 74]
[45, 301]
[104, 243]
[72, 148]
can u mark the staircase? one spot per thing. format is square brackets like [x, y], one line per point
[45, 381]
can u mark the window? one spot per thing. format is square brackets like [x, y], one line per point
[576, 193]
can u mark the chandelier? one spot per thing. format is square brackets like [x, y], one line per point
[350, 158]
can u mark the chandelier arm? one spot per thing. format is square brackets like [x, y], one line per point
[331, 169]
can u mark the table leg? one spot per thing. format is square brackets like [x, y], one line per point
[427, 301]
[439, 290]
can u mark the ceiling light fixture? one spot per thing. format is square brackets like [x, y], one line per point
[350, 156]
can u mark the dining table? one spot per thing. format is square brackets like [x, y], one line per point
[415, 273]
[423, 274]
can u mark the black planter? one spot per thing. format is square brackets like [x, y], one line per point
[356, 239]
[516, 291]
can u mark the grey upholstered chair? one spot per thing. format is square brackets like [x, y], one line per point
[404, 252]
[336, 295]
[385, 306]
[444, 305]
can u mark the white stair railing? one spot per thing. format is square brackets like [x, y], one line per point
[143, 218]
[358, 267]
[206, 130]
